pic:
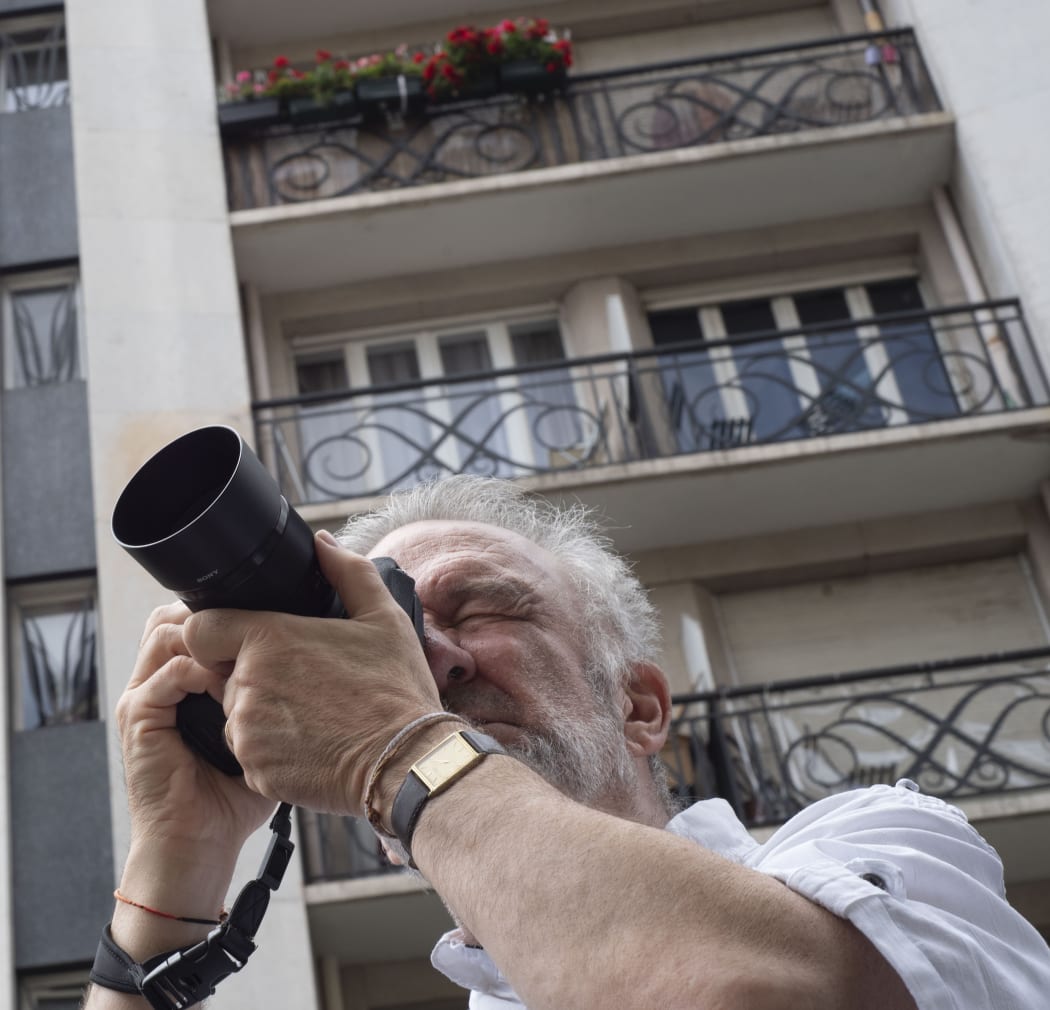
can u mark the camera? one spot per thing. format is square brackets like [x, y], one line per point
[206, 519]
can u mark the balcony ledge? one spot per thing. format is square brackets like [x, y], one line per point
[720, 187]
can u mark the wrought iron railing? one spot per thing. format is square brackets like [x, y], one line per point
[960, 728]
[582, 413]
[611, 114]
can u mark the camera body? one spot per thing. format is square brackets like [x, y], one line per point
[204, 517]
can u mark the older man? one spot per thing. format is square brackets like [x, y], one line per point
[559, 853]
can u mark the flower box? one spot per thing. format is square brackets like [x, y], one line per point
[530, 77]
[341, 105]
[385, 97]
[246, 117]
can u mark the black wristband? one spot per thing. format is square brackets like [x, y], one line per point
[115, 968]
[420, 785]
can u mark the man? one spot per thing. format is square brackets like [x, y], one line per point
[557, 858]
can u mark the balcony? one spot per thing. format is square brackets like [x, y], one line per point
[727, 143]
[963, 729]
[935, 398]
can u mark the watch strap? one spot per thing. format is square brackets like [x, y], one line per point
[415, 793]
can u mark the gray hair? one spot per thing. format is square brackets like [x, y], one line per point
[619, 622]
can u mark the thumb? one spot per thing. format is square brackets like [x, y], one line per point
[353, 577]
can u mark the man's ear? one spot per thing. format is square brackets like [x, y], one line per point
[647, 709]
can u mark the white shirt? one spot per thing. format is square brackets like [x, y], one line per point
[940, 916]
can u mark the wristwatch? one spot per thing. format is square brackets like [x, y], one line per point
[433, 773]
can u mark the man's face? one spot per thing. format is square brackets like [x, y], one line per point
[506, 649]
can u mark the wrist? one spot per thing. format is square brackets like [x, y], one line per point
[393, 772]
[176, 883]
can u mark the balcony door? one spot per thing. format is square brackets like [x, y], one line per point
[429, 404]
[800, 365]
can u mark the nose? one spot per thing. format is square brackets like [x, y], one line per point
[449, 663]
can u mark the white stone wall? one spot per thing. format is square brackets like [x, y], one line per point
[164, 347]
[988, 61]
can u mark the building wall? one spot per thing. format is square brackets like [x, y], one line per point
[163, 332]
[998, 96]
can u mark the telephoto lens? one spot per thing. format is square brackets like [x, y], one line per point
[205, 518]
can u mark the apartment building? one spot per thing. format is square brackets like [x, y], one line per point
[760, 279]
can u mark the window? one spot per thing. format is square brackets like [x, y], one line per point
[33, 69]
[53, 642]
[794, 366]
[42, 339]
[430, 403]
[59, 991]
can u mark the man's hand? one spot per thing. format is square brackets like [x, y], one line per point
[311, 702]
[175, 797]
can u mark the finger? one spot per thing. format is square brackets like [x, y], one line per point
[355, 579]
[215, 638]
[162, 643]
[155, 700]
[170, 613]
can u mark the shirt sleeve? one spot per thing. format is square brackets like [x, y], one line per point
[924, 887]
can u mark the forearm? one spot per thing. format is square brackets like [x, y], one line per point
[586, 910]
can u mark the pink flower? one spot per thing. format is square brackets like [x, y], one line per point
[244, 76]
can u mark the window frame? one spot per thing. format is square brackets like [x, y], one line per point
[28, 281]
[23, 596]
[10, 28]
[426, 338]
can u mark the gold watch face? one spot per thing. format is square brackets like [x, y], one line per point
[446, 762]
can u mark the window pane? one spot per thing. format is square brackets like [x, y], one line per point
[388, 366]
[58, 676]
[33, 69]
[848, 400]
[41, 345]
[560, 428]
[764, 375]
[694, 400]
[915, 358]
[477, 432]
[321, 375]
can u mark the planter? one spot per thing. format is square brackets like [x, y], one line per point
[530, 77]
[247, 116]
[341, 105]
[388, 97]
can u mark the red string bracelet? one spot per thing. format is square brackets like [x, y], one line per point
[167, 915]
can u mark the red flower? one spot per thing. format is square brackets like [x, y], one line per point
[281, 62]
[552, 67]
[543, 26]
[508, 27]
[323, 55]
[341, 65]
[298, 74]
[429, 70]
[272, 76]
[495, 47]
[419, 57]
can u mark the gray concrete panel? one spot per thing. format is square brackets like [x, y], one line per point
[48, 519]
[38, 219]
[61, 848]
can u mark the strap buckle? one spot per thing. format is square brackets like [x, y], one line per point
[188, 976]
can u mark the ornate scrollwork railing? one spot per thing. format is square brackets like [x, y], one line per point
[854, 79]
[959, 728]
[857, 375]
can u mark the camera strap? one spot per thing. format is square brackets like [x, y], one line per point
[181, 978]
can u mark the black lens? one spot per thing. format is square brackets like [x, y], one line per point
[207, 521]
